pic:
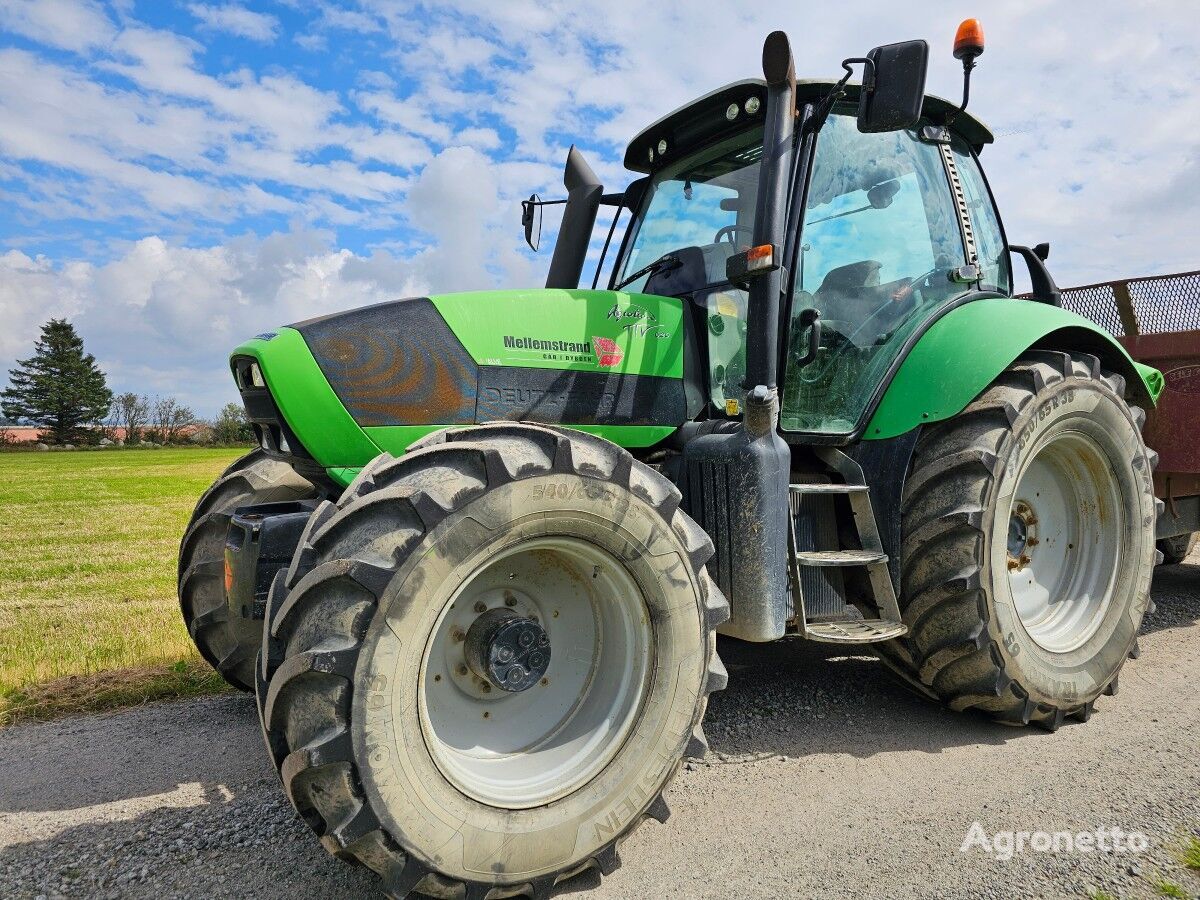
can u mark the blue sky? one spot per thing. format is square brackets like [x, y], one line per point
[177, 176]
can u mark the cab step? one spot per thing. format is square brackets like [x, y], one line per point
[856, 631]
[840, 557]
[828, 589]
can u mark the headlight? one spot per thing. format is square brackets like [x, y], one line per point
[256, 376]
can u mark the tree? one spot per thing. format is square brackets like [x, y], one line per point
[131, 413]
[169, 419]
[231, 426]
[59, 387]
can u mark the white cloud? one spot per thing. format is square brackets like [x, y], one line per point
[237, 20]
[70, 24]
[461, 109]
[162, 318]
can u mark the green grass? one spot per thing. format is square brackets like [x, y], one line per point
[1101, 895]
[1170, 889]
[1190, 854]
[88, 541]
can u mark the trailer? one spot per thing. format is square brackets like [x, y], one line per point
[1157, 319]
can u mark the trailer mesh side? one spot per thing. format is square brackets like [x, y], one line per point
[1151, 305]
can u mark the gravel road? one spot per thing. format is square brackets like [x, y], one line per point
[825, 780]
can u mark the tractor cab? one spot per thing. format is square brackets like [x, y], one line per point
[885, 231]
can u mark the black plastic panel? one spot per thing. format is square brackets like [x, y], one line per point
[396, 363]
[554, 396]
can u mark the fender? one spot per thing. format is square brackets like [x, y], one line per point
[964, 351]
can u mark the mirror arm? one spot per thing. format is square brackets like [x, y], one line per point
[825, 106]
[1044, 290]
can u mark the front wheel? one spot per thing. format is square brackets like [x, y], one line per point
[489, 658]
[1028, 544]
[226, 640]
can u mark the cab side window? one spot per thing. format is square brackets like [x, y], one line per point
[993, 261]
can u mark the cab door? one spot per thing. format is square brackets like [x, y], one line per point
[881, 253]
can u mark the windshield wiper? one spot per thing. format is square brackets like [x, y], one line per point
[665, 263]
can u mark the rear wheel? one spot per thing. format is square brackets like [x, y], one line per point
[489, 658]
[226, 640]
[1028, 544]
[1176, 549]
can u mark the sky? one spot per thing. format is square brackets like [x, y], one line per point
[177, 177]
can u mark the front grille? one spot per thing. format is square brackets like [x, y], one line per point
[270, 430]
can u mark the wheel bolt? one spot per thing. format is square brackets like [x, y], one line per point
[458, 635]
[509, 599]
[462, 669]
[480, 607]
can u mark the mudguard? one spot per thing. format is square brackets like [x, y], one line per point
[964, 351]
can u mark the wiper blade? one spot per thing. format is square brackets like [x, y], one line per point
[665, 263]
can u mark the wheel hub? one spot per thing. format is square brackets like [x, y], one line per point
[1022, 535]
[509, 651]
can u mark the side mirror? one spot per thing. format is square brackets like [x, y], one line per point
[893, 90]
[531, 220]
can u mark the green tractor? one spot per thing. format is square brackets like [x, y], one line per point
[476, 572]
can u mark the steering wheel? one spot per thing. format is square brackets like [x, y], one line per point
[731, 231]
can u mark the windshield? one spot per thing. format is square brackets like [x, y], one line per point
[705, 201]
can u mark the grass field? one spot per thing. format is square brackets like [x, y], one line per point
[88, 614]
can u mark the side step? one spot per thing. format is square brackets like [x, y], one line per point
[887, 624]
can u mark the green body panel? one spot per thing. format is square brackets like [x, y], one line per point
[543, 327]
[964, 351]
[306, 400]
[648, 330]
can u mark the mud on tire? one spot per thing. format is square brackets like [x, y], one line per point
[228, 642]
[344, 670]
[968, 644]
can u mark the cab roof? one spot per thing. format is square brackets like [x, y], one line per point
[703, 121]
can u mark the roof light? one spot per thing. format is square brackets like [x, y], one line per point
[752, 106]
[662, 148]
[731, 111]
[256, 376]
[651, 154]
[968, 40]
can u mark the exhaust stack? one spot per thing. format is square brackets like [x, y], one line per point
[584, 191]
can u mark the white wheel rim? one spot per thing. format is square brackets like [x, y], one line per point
[526, 749]
[1064, 533]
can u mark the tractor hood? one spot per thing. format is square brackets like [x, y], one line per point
[342, 388]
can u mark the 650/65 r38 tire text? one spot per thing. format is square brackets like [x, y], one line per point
[1028, 544]
[226, 640]
[488, 659]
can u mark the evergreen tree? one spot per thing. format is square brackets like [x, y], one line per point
[59, 387]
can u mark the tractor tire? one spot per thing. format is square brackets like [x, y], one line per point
[227, 641]
[1027, 545]
[389, 741]
[1176, 549]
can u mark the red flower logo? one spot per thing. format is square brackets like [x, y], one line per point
[607, 352]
